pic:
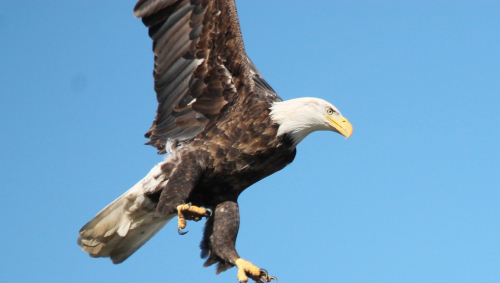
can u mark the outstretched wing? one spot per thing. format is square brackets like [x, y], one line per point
[201, 69]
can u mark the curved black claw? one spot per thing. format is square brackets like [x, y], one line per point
[264, 273]
[208, 213]
[181, 232]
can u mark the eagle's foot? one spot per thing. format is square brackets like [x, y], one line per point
[247, 270]
[190, 212]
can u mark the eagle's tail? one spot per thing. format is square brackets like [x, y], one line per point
[126, 224]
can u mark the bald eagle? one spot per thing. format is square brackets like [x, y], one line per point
[224, 128]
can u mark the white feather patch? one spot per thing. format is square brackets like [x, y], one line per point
[127, 223]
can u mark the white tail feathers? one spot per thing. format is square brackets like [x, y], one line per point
[126, 224]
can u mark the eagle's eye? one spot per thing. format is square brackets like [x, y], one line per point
[329, 111]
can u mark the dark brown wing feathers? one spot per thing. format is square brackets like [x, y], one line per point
[147, 7]
[201, 69]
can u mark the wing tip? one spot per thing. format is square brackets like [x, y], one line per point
[145, 8]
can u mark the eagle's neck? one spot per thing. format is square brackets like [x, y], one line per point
[294, 119]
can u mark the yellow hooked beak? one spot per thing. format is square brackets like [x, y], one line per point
[343, 126]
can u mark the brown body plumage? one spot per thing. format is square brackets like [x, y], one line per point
[233, 159]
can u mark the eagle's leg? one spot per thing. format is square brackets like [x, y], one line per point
[190, 212]
[180, 184]
[219, 241]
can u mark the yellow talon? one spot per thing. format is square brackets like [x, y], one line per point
[190, 212]
[247, 269]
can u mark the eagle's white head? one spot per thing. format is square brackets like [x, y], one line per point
[301, 116]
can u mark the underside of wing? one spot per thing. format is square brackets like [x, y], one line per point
[201, 69]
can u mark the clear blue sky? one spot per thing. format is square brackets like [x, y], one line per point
[412, 196]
